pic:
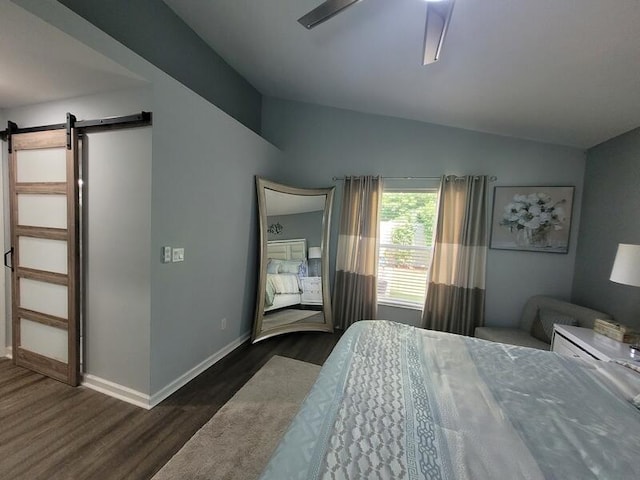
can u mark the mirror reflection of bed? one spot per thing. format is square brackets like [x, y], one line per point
[293, 289]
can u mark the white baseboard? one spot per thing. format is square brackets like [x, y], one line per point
[8, 352]
[115, 390]
[185, 378]
[143, 400]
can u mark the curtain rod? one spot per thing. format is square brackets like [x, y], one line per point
[492, 178]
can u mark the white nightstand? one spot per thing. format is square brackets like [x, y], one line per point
[585, 343]
[311, 291]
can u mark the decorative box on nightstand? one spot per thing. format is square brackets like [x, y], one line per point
[585, 343]
[311, 291]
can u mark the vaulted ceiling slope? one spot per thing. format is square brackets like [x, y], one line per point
[565, 72]
[39, 63]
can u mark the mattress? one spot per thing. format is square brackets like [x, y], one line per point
[396, 402]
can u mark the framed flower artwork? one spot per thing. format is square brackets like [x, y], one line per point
[535, 219]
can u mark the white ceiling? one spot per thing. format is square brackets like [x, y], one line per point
[39, 63]
[559, 71]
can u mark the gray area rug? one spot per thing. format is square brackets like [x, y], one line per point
[239, 439]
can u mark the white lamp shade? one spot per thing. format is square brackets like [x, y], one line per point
[315, 252]
[626, 266]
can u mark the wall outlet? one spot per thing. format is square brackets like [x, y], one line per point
[165, 256]
[223, 324]
[178, 255]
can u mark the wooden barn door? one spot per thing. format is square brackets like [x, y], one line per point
[43, 186]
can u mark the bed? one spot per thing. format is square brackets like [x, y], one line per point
[287, 262]
[396, 402]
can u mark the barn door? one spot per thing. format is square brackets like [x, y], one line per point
[43, 186]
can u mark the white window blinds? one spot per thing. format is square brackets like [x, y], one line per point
[407, 223]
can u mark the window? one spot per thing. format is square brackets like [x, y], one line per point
[407, 223]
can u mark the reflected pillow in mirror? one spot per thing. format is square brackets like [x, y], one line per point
[303, 269]
[274, 266]
[291, 266]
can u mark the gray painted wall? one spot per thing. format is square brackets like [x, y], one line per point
[321, 142]
[204, 200]
[151, 29]
[609, 216]
[118, 234]
[408, 316]
[301, 225]
[118, 224]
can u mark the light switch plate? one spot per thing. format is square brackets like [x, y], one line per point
[166, 255]
[178, 255]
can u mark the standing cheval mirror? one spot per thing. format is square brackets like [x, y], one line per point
[293, 286]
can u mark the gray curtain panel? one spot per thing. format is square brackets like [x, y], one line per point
[456, 287]
[355, 292]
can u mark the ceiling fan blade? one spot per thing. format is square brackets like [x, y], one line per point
[437, 24]
[324, 12]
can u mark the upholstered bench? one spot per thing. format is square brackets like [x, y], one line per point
[536, 323]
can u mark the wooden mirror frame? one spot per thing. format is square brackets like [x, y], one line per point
[258, 334]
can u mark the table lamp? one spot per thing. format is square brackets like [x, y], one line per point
[315, 256]
[626, 266]
[626, 271]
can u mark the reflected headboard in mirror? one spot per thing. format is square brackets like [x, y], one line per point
[288, 299]
[285, 285]
[295, 249]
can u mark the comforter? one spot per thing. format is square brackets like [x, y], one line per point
[281, 283]
[396, 402]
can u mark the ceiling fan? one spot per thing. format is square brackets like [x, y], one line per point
[437, 23]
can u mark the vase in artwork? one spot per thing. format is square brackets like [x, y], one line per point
[533, 237]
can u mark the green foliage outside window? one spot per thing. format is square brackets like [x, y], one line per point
[402, 235]
[411, 208]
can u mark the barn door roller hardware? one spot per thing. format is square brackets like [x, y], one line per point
[11, 129]
[71, 123]
[141, 119]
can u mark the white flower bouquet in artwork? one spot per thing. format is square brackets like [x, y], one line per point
[533, 218]
[535, 215]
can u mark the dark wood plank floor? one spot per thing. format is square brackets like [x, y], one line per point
[51, 431]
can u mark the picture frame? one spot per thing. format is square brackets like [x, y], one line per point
[532, 218]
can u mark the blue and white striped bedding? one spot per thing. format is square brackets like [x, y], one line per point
[396, 402]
